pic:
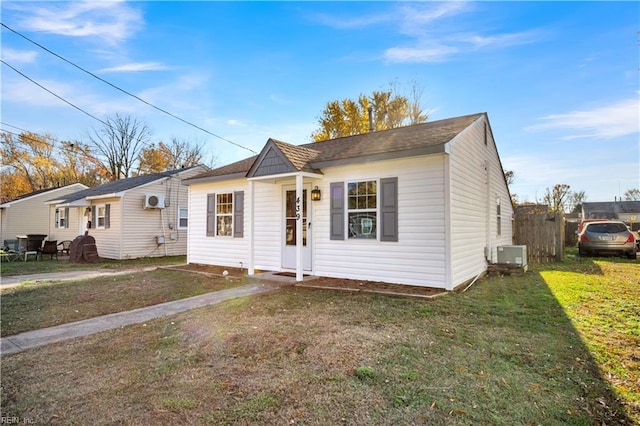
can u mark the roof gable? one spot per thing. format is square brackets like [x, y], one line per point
[279, 157]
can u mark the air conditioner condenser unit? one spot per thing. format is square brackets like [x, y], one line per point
[512, 255]
[154, 201]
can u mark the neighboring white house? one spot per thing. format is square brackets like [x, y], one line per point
[29, 214]
[424, 205]
[143, 216]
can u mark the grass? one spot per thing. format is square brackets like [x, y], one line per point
[33, 306]
[553, 347]
[46, 265]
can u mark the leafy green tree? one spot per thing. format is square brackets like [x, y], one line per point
[389, 110]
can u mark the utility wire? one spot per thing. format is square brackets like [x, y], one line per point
[126, 92]
[57, 96]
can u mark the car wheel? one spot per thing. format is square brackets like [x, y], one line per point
[631, 255]
[581, 251]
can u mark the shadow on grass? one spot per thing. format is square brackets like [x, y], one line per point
[534, 307]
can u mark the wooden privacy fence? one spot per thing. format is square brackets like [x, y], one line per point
[542, 233]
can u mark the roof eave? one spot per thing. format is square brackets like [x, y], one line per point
[220, 178]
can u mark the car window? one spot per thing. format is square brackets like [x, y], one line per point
[607, 228]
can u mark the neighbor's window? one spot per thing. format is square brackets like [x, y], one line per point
[498, 218]
[362, 204]
[100, 217]
[61, 218]
[224, 214]
[183, 217]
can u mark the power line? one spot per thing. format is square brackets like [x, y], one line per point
[54, 94]
[124, 91]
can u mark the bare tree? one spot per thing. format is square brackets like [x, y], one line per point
[632, 194]
[556, 198]
[119, 143]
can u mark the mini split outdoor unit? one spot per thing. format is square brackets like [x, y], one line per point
[154, 201]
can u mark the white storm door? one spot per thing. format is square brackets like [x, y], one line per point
[296, 210]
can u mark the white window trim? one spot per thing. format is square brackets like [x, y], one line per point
[233, 200]
[104, 216]
[376, 210]
[59, 215]
[186, 209]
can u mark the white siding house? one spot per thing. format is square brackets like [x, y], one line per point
[29, 214]
[143, 216]
[423, 205]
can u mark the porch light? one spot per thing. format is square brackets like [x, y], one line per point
[87, 211]
[315, 194]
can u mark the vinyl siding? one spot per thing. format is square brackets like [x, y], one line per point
[31, 215]
[418, 257]
[76, 214]
[139, 228]
[134, 230]
[223, 251]
[476, 181]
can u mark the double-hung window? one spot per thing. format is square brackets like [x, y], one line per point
[224, 215]
[366, 209]
[183, 217]
[362, 209]
[62, 218]
[101, 217]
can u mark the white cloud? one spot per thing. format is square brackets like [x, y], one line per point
[606, 122]
[350, 22]
[19, 56]
[419, 54]
[428, 27]
[113, 22]
[235, 123]
[136, 67]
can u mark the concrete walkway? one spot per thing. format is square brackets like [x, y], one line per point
[17, 280]
[32, 339]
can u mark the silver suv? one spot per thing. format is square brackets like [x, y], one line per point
[612, 237]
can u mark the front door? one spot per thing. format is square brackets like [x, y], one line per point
[292, 208]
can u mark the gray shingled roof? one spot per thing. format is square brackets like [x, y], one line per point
[611, 207]
[116, 186]
[303, 157]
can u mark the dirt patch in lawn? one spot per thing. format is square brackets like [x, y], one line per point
[322, 283]
[212, 270]
[397, 290]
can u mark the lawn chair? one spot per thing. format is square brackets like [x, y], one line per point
[10, 251]
[50, 247]
[64, 246]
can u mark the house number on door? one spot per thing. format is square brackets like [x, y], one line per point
[298, 208]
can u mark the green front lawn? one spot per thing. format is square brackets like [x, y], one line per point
[557, 346]
[32, 266]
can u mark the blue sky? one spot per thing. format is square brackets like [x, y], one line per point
[560, 81]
